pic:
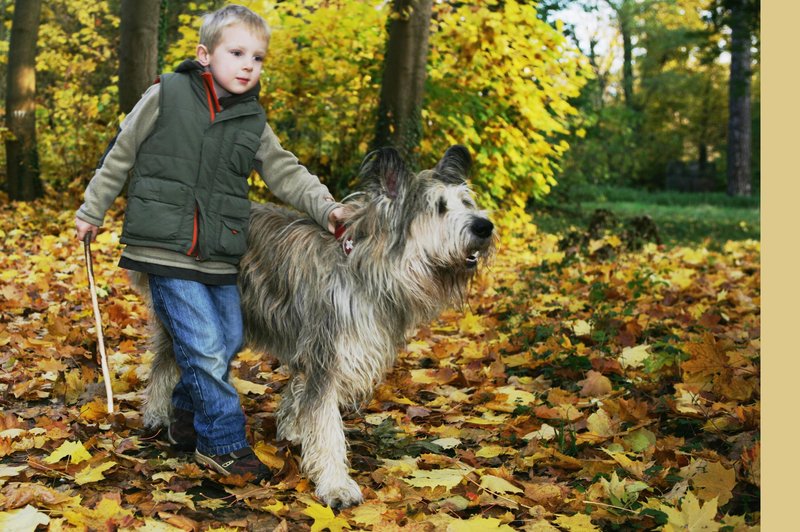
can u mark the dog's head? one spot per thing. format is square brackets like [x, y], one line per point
[430, 219]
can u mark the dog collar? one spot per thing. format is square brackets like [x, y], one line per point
[347, 243]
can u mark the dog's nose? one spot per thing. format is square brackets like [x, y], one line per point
[481, 227]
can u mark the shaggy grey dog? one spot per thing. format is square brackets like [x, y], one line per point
[336, 312]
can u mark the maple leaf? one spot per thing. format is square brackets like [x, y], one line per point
[324, 518]
[691, 516]
[93, 474]
[471, 324]
[576, 523]
[369, 513]
[74, 449]
[477, 524]
[716, 482]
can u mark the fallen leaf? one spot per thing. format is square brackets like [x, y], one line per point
[691, 516]
[716, 482]
[74, 449]
[324, 518]
[498, 485]
[23, 520]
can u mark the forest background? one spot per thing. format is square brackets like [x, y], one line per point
[631, 330]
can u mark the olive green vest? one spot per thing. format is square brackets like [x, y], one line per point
[188, 191]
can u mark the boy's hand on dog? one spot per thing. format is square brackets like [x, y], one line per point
[84, 228]
[334, 218]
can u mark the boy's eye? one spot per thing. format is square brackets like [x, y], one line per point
[259, 58]
[237, 53]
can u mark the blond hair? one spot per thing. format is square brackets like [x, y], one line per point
[214, 23]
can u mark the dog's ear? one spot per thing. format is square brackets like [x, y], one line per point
[454, 166]
[383, 171]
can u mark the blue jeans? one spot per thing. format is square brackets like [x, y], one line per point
[205, 322]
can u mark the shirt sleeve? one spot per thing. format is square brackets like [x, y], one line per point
[119, 158]
[291, 181]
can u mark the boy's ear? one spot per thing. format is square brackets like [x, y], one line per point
[202, 55]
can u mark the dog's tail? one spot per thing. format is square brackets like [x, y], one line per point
[164, 375]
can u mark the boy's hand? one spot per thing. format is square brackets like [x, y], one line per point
[334, 217]
[84, 228]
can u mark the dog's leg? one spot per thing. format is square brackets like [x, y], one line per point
[324, 455]
[287, 410]
[164, 375]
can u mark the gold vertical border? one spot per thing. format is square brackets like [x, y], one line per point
[780, 237]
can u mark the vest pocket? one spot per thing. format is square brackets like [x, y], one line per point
[156, 210]
[243, 152]
[233, 238]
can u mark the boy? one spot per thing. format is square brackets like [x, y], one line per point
[191, 142]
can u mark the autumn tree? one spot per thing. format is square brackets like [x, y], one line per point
[22, 159]
[138, 49]
[404, 71]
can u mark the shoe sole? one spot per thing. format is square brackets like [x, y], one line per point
[210, 462]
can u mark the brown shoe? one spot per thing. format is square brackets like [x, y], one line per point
[242, 462]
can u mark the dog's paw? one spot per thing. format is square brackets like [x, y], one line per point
[340, 495]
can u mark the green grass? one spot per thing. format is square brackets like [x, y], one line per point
[682, 218]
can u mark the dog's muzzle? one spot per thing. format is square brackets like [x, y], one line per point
[481, 230]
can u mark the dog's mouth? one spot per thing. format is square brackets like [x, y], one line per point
[472, 260]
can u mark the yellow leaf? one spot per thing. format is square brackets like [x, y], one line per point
[23, 520]
[576, 523]
[448, 478]
[477, 524]
[74, 449]
[492, 451]
[244, 387]
[92, 474]
[471, 324]
[634, 357]
[268, 455]
[691, 516]
[599, 423]
[369, 513]
[110, 509]
[498, 485]
[324, 518]
[276, 508]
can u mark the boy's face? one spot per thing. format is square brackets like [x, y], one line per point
[237, 59]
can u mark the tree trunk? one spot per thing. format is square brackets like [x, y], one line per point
[403, 85]
[625, 11]
[138, 49]
[739, 127]
[22, 158]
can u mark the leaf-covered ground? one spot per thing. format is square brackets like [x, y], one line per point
[586, 388]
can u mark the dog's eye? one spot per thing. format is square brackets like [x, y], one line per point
[441, 206]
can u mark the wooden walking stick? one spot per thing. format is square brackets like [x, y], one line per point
[87, 251]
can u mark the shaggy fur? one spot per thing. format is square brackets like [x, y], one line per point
[337, 320]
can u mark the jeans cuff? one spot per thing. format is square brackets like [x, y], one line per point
[221, 449]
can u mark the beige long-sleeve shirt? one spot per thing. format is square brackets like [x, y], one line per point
[284, 175]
